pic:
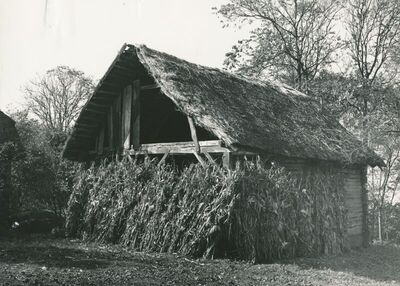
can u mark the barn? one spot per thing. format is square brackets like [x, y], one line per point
[152, 103]
[8, 134]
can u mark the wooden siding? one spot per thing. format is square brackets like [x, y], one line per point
[354, 206]
[353, 190]
[293, 164]
[120, 129]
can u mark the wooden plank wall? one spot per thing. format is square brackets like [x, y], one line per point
[353, 187]
[293, 164]
[354, 206]
[122, 123]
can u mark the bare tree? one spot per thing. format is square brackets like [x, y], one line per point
[383, 184]
[295, 38]
[57, 97]
[373, 26]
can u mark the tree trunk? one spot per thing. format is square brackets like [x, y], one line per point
[380, 225]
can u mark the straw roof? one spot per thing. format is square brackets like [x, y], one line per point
[7, 129]
[245, 114]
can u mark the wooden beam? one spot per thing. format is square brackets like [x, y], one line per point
[87, 117]
[244, 153]
[96, 144]
[194, 134]
[104, 92]
[117, 85]
[100, 145]
[364, 202]
[84, 129]
[210, 159]
[126, 117]
[110, 123]
[150, 86]
[136, 114]
[126, 75]
[85, 125]
[226, 160]
[201, 161]
[100, 105]
[211, 146]
[162, 161]
[94, 111]
[119, 79]
[206, 143]
[117, 122]
[123, 68]
[85, 135]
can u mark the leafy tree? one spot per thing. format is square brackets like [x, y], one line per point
[8, 153]
[41, 179]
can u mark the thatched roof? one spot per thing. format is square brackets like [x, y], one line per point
[243, 113]
[7, 128]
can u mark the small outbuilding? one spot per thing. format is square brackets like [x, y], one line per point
[8, 137]
[152, 103]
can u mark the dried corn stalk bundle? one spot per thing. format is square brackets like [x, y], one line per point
[253, 212]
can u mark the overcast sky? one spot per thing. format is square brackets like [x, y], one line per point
[87, 34]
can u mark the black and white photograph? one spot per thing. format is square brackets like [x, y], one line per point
[200, 142]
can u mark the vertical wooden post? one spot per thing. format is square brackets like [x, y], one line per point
[126, 117]
[136, 114]
[96, 143]
[364, 202]
[162, 161]
[227, 160]
[201, 161]
[209, 158]
[100, 145]
[110, 123]
[194, 134]
[197, 150]
[117, 123]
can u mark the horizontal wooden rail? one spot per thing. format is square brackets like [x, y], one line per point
[150, 86]
[210, 146]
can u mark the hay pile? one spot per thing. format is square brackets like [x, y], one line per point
[253, 212]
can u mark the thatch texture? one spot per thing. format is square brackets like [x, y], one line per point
[7, 129]
[243, 113]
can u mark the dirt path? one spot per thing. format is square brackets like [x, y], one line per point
[44, 261]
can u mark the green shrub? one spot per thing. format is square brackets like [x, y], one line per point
[252, 212]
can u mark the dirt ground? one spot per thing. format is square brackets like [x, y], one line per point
[38, 260]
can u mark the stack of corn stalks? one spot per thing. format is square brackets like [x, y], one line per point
[253, 212]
